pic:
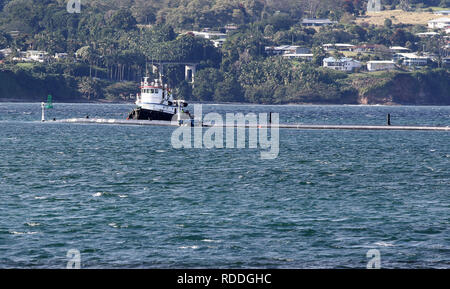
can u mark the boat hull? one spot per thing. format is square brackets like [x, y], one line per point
[146, 114]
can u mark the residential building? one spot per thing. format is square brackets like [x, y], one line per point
[307, 57]
[34, 55]
[218, 42]
[231, 27]
[442, 12]
[274, 50]
[399, 49]
[14, 33]
[317, 22]
[61, 55]
[439, 23]
[217, 38]
[5, 52]
[377, 65]
[338, 46]
[427, 34]
[446, 62]
[369, 48]
[412, 59]
[343, 64]
[209, 34]
[286, 49]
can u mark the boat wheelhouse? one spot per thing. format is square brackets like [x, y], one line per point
[156, 102]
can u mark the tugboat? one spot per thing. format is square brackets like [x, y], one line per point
[156, 102]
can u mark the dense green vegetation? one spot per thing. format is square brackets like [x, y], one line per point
[116, 41]
[420, 87]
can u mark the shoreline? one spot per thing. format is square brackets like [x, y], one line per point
[390, 104]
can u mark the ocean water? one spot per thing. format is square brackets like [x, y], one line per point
[124, 198]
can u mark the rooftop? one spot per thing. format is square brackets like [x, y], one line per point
[317, 21]
[344, 59]
[398, 48]
[413, 55]
[208, 33]
[283, 47]
[338, 45]
[427, 34]
[299, 54]
[440, 20]
[381, 61]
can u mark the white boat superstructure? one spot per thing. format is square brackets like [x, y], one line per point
[156, 102]
[155, 96]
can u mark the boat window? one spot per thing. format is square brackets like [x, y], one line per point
[152, 91]
[156, 91]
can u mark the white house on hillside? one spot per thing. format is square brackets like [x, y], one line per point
[5, 52]
[446, 61]
[343, 64]
[427, 34]
[399, 49]
[217, 38]
[338, 46]
[377, 65]
[439, 23]
[304, 56]
[231, 27]
[412, 59]
[286, 49]
[317, 22]
[442, 12]
[61, 55]
[32, 55]
[218, 42]
[209, 34]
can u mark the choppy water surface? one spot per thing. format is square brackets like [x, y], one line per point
[124, 198]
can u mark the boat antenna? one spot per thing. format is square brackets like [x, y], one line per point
[160, 68]
[146, 66]
[152, 66]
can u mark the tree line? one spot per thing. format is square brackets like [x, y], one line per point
[117, 41]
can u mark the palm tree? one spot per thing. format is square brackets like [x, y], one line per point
[89, 88]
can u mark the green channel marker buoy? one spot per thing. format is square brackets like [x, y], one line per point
[49, 102]
[44, 105]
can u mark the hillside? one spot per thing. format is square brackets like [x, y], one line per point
[111, 45]
[397, 17]
[418, 88]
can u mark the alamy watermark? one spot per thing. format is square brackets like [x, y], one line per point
[375, 259]
[208, 132]
[74, 257]
[74, 6]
